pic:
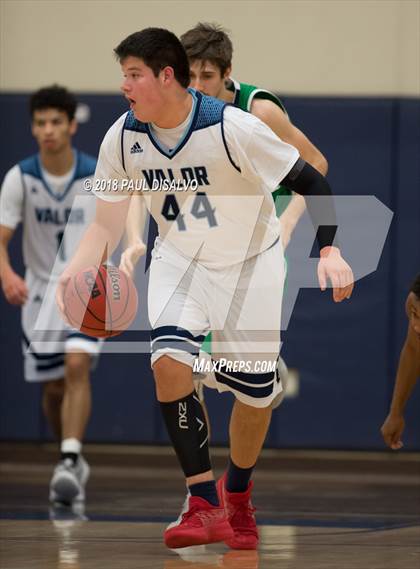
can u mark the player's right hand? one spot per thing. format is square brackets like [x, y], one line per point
[332, 266]
[14, 288]
[130, 257]
[392, 430]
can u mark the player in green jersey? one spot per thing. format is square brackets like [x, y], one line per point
[209, 51]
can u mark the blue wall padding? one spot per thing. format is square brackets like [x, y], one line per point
[346, 353]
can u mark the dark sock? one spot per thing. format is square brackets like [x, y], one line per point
[71, 455]
[206, 490]
[237, 479]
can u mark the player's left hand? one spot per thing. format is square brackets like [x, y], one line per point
[332, 266]
[130, 257]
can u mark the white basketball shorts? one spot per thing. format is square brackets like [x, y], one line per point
[46, 338]
[240, 304]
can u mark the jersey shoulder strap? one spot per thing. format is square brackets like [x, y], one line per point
[210, 111]
[30, 166]
[85, 166]
[245, 94]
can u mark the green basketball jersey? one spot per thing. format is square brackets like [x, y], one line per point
[244, 94]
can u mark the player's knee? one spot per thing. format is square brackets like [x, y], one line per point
[252, 413]
[162, 365]
[77, 366]
[173, 379]
[164, 368]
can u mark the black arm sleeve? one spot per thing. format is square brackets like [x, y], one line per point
[306, 181]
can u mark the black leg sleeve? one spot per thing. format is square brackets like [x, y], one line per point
[187, 429]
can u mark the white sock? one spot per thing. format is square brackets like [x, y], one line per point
[71, 445]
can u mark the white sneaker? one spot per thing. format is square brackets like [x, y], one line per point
[69, 480]
[74, 513]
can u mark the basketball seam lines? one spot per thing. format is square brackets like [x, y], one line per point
[106, 293]
[87, 305]
[127, 296]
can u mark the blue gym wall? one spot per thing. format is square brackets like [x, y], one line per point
[373, 147]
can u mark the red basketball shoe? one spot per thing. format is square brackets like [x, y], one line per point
[240, 513]
[200, 523]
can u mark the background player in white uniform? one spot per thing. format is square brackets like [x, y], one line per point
[39, 193]
[211, 255]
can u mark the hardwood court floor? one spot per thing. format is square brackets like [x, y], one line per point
[315, 510]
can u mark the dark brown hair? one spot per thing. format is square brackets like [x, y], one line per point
[209, 42]
[158, 48]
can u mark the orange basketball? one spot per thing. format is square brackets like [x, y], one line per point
[101, 302]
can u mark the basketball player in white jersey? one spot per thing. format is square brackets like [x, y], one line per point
[210, 51]
[39, 193]
[207, 171]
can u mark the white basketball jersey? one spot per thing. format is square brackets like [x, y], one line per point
[53, 223]
[211, 194]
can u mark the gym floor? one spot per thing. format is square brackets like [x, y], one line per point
[338, 510]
